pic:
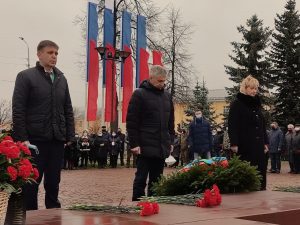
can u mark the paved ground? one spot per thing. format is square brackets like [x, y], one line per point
[111, 186]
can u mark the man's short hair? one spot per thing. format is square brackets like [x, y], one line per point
[157, 70]
[46, 43]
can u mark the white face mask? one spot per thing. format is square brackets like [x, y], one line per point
[198, 116]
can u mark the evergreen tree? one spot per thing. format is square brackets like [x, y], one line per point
[200, 102]
[285, 55]
[249, 57]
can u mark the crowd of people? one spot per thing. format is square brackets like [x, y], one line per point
[43, 117]
[101, 150]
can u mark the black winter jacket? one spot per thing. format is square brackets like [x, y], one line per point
[42, 110]
[150, 121]
[246, 128]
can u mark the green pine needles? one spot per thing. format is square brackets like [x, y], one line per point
[238, 176]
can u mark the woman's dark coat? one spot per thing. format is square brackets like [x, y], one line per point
[247, 130]
[150, 121]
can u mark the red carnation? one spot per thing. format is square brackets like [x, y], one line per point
[147, 208]
[224, 163]
[7, 138]
[35, 173]
[12, 172]
[155, 207]
[12, 152]
[25, 162]
[24, 148]
[25, 171]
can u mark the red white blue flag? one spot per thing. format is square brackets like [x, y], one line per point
[92, 61]
[142, 56]
[109, 68]
[127, 66]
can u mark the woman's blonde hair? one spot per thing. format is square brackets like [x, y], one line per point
[249, 81]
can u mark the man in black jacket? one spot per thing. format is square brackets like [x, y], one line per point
[43, 116]
[150, 127]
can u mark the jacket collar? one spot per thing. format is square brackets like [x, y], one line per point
[249, 100]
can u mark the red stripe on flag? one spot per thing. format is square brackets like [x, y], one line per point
[127, 83]
[157, 57]
[93, 82]
[144, 69]
[111, 94]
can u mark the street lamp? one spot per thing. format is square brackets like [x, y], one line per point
[119, 56]
[28, 61]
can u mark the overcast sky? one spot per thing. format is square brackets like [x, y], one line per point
[214, 21]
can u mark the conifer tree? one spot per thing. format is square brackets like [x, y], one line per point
[200, 102]
[285, 56]
[250, 58]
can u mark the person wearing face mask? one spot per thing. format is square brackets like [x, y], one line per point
[101, 149]
[200, 139]
[122, 145]
[296, 149]
[150, 127]
[114, 149]
[247, 129]
[289, 136]
[275, 147]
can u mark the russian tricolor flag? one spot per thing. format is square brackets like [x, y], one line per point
[92, 61]
[142, 56]
[127, 66]
[109, 68]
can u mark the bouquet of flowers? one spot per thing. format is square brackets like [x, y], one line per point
[144, 208]
[16, 168]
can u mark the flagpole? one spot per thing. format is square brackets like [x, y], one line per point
[86, 83]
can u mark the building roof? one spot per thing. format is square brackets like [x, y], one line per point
[217, 95]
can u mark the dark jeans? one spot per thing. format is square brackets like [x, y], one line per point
[152, 167]
[122, 157]
[275, 162]
[48, 162]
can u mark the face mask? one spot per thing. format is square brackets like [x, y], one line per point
[290, 131]
[103, 131]
[113, 134]
[273, 128]
[198, 116]
[100, 134]
[76, 136]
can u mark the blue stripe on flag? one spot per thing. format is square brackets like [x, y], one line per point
[140, 43]
[126, 36]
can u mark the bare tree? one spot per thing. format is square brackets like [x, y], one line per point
[5, 113]
[173, 41]
[136, 7]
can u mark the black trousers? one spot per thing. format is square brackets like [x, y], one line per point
[275, 161]
[152, 167]
[48, 162]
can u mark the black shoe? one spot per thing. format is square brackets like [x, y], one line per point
[277, 171]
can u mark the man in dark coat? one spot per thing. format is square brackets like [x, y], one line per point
[122, 145]
[275, 147]
[150, 127]
[200, 136]
[43, 116]
[246, 127]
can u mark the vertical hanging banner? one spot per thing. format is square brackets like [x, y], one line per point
[127, 66]
[92, 61]
[157, 58]
[109, 68]
[142, 56]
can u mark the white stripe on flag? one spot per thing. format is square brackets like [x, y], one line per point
[109, 4]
